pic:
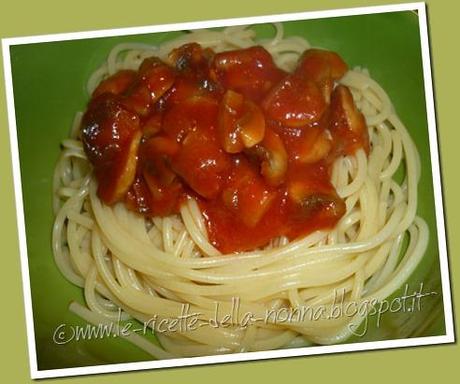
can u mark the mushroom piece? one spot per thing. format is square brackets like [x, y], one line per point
[249, 71]
[241, 123]
[315, 145]
[116, 84]
[323, 67]
[153, 80]
[157, 76]
[311, 201]
[274, 159]
[346, 123]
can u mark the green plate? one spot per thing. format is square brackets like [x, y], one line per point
[49, 86]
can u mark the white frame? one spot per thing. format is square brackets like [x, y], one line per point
[449, 337]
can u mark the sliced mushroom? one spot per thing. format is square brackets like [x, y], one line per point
[347, 123]
[157, 75]
[151, 126]
[229, 112]
[251, 125]
[154, 79]
[315, 145]
[323, 67]
[241, 123]
[310, 201]
[274, 159]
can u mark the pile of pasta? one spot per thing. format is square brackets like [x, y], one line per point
[131, 267]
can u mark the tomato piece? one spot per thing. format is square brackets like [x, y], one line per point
[202, 163]
[296, 101]
[249, 71]
[246, 194]
[116, 84]
[194, 113]
[111, 136]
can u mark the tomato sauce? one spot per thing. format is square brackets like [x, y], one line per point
[252, 144]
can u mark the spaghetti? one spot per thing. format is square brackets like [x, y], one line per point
[151, 267]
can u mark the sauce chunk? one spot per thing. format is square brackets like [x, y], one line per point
[252, 144]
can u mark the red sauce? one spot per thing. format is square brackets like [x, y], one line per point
[252, 144]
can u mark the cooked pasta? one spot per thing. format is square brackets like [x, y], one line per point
[153, 266]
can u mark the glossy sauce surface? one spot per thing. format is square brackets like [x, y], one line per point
[251, 143]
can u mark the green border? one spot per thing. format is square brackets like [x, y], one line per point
[416, 364]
